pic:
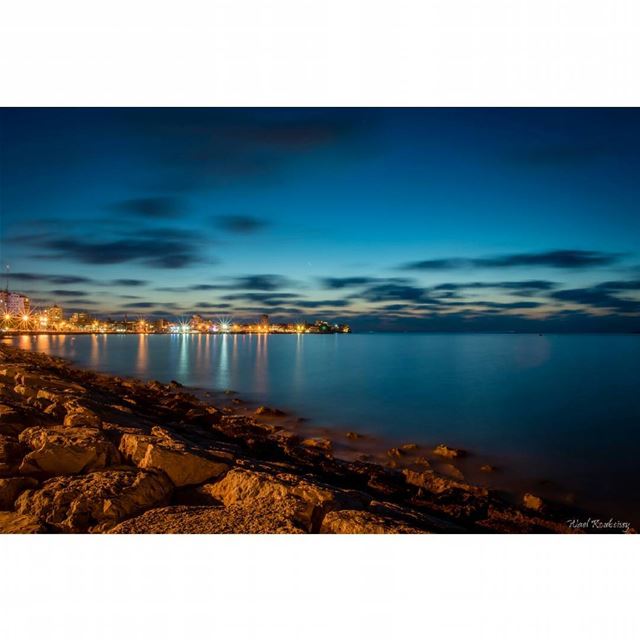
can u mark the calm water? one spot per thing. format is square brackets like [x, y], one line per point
[563, 408]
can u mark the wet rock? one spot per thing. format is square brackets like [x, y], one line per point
[410, 446]
[437, 484]
[60, 449]
[352, 435]
[394, 452]
[532, 502]
[11, 522]
[11, 488]
[269, 412]
[448, 452]
[324, 444]
[352, 521]
[487, 468]
[96, 501]
[182, 466]
[263, 518]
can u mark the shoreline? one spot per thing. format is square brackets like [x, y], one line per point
[91, 452]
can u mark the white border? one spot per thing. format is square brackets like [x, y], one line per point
[319, 52]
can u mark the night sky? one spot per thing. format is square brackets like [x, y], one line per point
[389, 219]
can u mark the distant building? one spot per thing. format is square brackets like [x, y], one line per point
[264, 321]
[81, 319]
[55, 314]
[14, 303]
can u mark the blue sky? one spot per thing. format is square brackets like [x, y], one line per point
[390, 219]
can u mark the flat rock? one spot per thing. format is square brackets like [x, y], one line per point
[63, 449]
[352, 521]
[11, 522]
[245, 486]
[96, 501]
[182, 466]
[264, 518]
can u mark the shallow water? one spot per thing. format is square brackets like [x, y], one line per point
[564, 408]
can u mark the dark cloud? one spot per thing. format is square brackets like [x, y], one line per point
[53, 279]
[76, 293]
[168, 252]
[240, 224]
[559, 259]
[346, 283]
[312, 304]
[620, 285]
[154, 208]
[391, 291]
[597, 297]
[128, 282]
[265, 282]
[517, 285]
[208, 148]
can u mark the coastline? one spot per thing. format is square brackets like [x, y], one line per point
[90, 452]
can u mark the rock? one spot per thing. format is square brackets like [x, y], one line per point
[79, 416]
[352, 435]
[264, 518]
[269, 411]
[96, 501]
[487, 468]
[22, 390]
[395, 452]
[61, 449]
[411, 446]
[437, 484]
[352, 521]
[11, 488]
[451, 471]
[532, 502]
[183, 467]
[324, 444]
[11, 522]
[310, 501]
[448, 452]
[10, 455]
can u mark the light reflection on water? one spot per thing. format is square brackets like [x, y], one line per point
[566, 407]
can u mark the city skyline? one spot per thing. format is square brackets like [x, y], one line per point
[386, 219]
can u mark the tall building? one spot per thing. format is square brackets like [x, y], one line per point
[264, 321]
[54, 314]
[14, 303]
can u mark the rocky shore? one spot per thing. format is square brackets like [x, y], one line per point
[82, 452]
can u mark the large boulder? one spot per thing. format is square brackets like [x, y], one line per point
[60, 449]
[11, 522]
[11, 488]
[353, 521]
[80, 416]
[311, 499]
[182, 465]
[11, 452]
[96, 501]
[262, 518]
